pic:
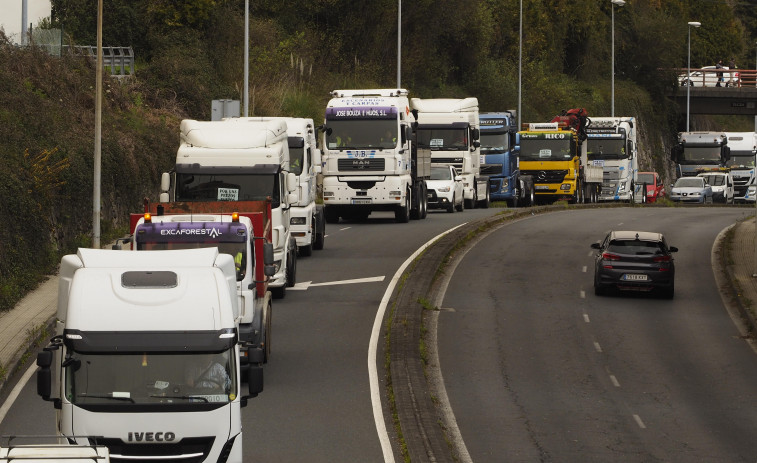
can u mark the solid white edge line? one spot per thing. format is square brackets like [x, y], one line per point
[16, 391]
[378, 413]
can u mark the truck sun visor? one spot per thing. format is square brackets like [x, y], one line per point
[227, 170]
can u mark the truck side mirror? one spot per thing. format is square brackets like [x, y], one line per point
[165, 182]
[291, 182]
[675, 153]
[475, 134]
[255, 380]
[44, 375]
[268, 268]
[726, 154]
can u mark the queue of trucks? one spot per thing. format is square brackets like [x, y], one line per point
[152, 348]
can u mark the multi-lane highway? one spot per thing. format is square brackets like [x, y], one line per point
[536, 367]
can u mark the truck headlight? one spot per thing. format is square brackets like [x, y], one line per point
[297, 221]
[443, 189]
[505, 183]
[565, 186]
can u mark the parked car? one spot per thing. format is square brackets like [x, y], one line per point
[654, 187]
[691, 190]
[634, 261]
[708, 77]
[722, 185]
[445, 189]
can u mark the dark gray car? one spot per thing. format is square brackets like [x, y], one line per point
[634, 261]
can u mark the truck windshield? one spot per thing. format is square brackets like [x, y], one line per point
[443, 139]
[494, 143]
[741, 159]
[362, 134]
[162, 242]
[228, 187]
[546, 150]
[150, 378]
[296, 156]
[701, 155]
[603, 148]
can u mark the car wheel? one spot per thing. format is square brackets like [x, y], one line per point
[708, 199]
[451, 206]
[461, 207]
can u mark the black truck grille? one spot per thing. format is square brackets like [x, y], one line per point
[491, 169]
[546, 176]
[367, 164]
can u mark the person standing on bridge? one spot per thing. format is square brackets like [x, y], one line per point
[719, 66]
[732, 81]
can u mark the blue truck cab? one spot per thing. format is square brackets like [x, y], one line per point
[498, 161]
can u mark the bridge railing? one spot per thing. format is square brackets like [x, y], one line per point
[119, 60]
[709, 77]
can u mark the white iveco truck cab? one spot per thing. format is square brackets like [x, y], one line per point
[449, 129]
[369, 158]
[239, 160]
[611, 143]
[146, 355]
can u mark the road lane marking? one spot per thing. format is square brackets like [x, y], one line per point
[16, 391]
[637, 418]
[597, 347]
[345, 228]
[586, 318]
[378, 413]
[614, 381]
[584, 269]
[583, 294]
[307, 284]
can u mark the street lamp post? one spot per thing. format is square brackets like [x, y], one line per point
[520, 61]
[688, 82]
[612, 75]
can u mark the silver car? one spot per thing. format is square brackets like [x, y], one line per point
[691, 190]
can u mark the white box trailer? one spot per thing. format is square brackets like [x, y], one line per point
[146, 355]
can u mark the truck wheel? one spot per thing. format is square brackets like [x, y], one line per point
[402, 213]
[484, 203]
[332, 215]
[278, 293]
[415, 203]
[424, 202]
[320, 231]
[291, 273]
[470, 203]
[528, 194]
[308, 250]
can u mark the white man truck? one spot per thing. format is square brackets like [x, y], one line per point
[743, 147]
[240, 160]
[369, 158]
[306, 216]
[611, 144]
[699, 150]
[146, 355]
[245, 236]
[554, 155]
[448, 128]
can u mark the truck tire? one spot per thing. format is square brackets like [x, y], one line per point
[528, 193]
[331, 214]
[267, 332]
[291, 273]
[470, 203]
[484, 203]
[415, 203]
[279, 292]
[306, 251]
[402, 213]
[320, 230]
[424, 201]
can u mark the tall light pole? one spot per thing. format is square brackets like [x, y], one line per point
[98, 130]
[246, 93]
[612, 79]
[399, 42]
[688, 82]
[520, 60]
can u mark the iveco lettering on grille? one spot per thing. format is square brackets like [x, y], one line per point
[151, 436]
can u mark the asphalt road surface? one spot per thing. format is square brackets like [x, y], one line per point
[538, 368]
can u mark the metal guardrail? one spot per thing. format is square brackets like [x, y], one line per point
[120, 60]
[709, 77]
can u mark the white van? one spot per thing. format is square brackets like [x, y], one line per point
[722, 185]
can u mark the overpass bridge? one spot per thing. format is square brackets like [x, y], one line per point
[738, 98]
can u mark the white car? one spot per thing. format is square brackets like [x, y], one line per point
[445, 189]
[708, 77]
[722, 185]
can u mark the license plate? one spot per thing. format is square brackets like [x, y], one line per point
[362, 201]
[634, 277]
[542, 187]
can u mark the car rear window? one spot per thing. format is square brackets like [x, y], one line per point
[636, 247]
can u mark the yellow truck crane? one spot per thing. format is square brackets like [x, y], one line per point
[554, 155]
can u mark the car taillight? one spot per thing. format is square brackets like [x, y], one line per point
[661, 259]
[609, 256]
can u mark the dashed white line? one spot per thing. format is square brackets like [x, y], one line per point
[597, 347]
[583, 294]
[584, 269]
[614, 381]
[637, 418]
[586, 318]
[345, 228]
